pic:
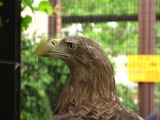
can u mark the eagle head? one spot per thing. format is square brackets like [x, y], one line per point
[74, 51]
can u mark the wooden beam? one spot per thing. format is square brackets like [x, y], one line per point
[100, 18]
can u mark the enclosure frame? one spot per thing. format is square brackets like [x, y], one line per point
[146, 16]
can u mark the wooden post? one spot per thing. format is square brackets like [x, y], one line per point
[55, 20]
[147, 20]
[59, 19]
[52, 21]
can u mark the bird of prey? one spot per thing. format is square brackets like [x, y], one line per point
[90, 92]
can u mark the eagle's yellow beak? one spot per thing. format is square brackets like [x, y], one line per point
[47, 49]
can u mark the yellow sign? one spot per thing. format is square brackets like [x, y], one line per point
[144, 68]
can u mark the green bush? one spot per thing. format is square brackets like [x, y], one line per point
[41, 83]
[126, 95]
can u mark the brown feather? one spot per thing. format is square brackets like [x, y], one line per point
[90, 92]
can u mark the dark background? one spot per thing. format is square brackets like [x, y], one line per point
[9, 56]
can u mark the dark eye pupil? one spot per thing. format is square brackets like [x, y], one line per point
[71, 46]
[53, 43]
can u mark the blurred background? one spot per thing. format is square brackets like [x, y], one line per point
[115, 24]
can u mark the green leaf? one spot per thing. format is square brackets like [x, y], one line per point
[1, 3]
[28, 3]
[45, 7]
[25, 21]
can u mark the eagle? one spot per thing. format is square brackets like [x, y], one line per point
[90, 92]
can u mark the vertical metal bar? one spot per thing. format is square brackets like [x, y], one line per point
[147, 19]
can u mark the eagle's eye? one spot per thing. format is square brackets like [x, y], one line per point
[71, 46]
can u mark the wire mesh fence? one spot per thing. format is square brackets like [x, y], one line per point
[114, 25]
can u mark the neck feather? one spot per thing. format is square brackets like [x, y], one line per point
[88, 83]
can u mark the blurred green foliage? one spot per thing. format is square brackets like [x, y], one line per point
[103, 7]
[157, 96]
[157, 50]
[41, 84]
[1, 3]
[1, 23]
[43, 6]
[127, 95]
[35, 78]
